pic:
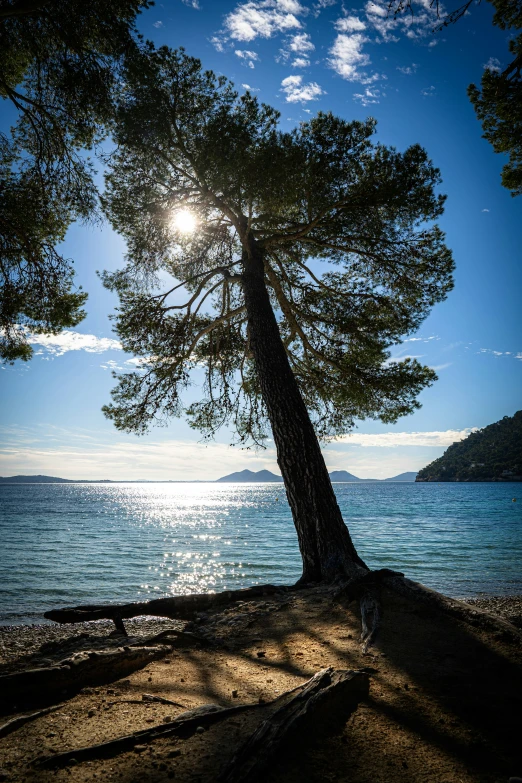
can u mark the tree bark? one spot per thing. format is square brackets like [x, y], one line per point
[326, 546]
[90, 667]
[323, 707]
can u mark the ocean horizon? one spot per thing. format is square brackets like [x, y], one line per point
[84, 543]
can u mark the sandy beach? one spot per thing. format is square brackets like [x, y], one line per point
[18, 642]
[442, 693]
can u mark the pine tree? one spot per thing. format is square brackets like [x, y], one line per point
[311, 254]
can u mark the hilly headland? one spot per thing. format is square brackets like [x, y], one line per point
[491, 454]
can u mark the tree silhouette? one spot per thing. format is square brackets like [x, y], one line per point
[311, 255]
[59, 63]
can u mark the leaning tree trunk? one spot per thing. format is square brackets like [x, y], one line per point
[325, 543]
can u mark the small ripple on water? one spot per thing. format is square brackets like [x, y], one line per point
[96, 543]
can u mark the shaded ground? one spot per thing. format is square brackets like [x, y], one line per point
[445, 699]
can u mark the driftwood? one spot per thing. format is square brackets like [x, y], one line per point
[21, 720]
[93, 667]
[181, 607]
[341, 692]
[323, 706]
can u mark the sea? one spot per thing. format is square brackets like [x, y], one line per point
[72, 544]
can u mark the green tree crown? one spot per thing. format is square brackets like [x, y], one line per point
[59, 63]
[351, 259]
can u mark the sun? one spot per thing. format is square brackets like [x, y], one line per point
[184, 221]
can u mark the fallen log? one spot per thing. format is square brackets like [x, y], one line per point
[180, 607]
[323, 706]
[92, 667]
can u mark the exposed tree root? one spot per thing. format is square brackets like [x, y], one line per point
[21, 720]
[184, 726]
[323, 705]
[451, 606]
[148, 698]
[327, 697]
[367, 590]
[181, 607]
[93, 667]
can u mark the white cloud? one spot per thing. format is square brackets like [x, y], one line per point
[407, 70]
[76, 453]
[428, 92]
[218, 43]
[192, 4]
[497, 354]
[518, 356]
[263, 19]
[438, 367]
[421, 339]
[349, 24]
[157, 24]
[492, 65]
[138, 361]
[380, 20]
[249, 88]
[301, 43]
[434, 439]
[346, 57]
[247, 56]
[485, 210]
[58, 344]
[296, 91]
[368, 97]
[290, 6]
[110, 364]
[415, 25]
[120, 458]
[321, 4]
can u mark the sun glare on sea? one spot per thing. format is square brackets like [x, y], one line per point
[184, 221]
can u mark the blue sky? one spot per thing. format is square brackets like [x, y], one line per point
[301, 57]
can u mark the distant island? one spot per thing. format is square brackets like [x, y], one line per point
[491, 454]
[250, 476]
[242, 476]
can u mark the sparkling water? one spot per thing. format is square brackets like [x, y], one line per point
[68, 544]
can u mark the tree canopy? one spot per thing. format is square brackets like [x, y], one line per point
[498, 104]
[59, 63]
[351, 263]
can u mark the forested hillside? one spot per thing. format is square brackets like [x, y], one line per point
[491, 454]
